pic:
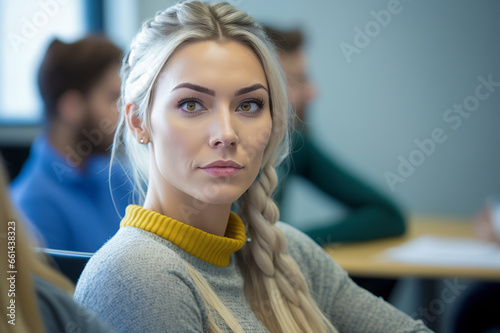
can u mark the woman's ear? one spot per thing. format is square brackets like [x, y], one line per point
[136, 124]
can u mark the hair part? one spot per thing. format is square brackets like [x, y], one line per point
[274, 285]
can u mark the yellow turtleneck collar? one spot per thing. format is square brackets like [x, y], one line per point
[211, 248]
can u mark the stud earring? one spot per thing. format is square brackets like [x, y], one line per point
[142, 140]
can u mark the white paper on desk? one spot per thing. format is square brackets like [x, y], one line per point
[446, 251]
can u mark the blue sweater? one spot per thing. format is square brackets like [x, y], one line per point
[137, 282]
[70, 208]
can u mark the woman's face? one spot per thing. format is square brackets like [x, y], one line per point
[210, 122]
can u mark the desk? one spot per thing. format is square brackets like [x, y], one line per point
[363, 259]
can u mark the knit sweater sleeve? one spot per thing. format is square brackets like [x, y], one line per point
[137, 285]
[349, 307]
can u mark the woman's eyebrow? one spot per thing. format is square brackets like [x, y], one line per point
[210, 92]
[249, 89]
[195, 87]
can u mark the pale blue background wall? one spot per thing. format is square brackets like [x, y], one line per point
[395, 91]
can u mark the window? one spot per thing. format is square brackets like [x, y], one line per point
[27, 28]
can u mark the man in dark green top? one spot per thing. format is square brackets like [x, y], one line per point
[371, 215]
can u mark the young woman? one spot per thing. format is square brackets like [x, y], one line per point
[204, 122]
[34, 297]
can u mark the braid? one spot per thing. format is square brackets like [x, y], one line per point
[274, 285]
[263, 213]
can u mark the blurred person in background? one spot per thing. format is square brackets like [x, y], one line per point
[35, 297]
[479, 306]
[487, 221]
[371, 215]
[64, 187]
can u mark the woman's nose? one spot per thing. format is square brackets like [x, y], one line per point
[223, 130]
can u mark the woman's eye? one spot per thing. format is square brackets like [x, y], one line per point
[250, 106]
[191, 106]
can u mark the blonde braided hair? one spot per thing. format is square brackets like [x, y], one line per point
[274, 285]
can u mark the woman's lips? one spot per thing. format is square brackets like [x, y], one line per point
[222, 171]
[222, 168]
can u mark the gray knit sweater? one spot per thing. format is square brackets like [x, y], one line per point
[137, 283]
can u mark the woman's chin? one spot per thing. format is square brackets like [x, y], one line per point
[223, 197]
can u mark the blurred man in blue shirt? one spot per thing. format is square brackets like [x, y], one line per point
[64, 186]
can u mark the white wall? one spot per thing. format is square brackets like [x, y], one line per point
[396, 90]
